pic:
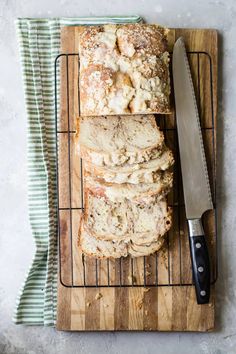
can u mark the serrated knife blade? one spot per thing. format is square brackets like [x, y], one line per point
[197, 194]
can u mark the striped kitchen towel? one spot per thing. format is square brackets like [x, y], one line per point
[39, 45]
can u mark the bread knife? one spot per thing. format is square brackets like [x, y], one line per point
[197, 193]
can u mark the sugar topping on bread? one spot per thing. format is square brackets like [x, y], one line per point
[129, 64]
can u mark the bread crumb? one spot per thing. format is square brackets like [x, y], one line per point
[148, 273]
[132, 279]
[106, 305]
[139, 303]
[146, 312]
[98, 296]
[146, 290]
[88, 304]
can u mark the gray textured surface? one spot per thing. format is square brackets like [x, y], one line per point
[15, 239]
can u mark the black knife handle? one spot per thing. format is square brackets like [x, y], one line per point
[200, 261]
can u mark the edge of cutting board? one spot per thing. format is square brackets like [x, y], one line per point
[164, 308]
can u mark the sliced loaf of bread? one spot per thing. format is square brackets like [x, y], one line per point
[126, 179]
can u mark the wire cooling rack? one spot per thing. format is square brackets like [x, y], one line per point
[175, 257]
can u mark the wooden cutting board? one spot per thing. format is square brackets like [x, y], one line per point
[106, 304]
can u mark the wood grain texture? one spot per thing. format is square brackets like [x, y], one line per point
[163, 308]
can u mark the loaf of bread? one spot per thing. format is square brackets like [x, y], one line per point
[118, 140]
[124, 69]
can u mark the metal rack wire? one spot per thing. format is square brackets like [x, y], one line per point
[121, 264]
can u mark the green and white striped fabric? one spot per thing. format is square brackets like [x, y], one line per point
[39, 45]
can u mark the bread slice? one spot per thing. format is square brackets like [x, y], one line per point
[143, 221]
[145, 250]
[118, 140]
[134, 192]
[93, 247]
[145, 172]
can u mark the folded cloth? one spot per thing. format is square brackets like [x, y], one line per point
[39, 45]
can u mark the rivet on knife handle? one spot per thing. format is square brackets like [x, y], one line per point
[200, 261]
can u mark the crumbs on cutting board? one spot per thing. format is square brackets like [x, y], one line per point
[146, 290]
[132, 279]
[98, 296]
[139, 302]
